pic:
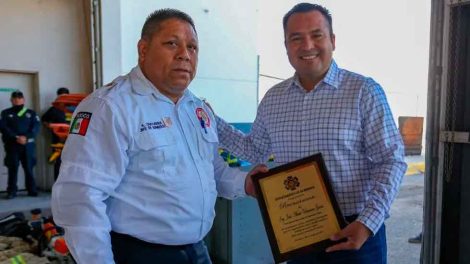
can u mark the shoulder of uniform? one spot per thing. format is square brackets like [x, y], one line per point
[7, 110]
[112, 95]
[113, 88]
[116, 82]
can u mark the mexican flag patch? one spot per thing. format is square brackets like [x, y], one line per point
[80, 123]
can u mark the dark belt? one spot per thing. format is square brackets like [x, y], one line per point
[145, 243]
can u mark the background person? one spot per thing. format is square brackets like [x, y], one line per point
[53, 115]
[19, 126]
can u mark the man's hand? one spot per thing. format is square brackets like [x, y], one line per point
[356, 234]
[21, 140]
[249, 187]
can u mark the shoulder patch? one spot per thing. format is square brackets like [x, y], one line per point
[80, 123]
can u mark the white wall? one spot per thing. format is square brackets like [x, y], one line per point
[386, 40]
[111, 49]
[227, 70]
[47, 37]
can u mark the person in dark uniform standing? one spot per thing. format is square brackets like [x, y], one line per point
[19, 126]
[55, 115]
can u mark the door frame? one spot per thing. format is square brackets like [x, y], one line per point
[41, 171]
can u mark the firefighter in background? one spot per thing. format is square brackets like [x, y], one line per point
[53, 115]
[19, 126]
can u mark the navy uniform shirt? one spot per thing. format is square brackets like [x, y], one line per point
[18, 122]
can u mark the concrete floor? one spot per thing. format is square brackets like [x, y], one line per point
[24, 203]
[406, 221]
[405, 216]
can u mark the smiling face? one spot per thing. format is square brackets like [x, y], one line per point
[169, 58]
[310, 46]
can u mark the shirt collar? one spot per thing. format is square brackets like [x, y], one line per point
[331, 78]
[141, 85]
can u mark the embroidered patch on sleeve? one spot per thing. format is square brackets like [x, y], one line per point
[80, 123]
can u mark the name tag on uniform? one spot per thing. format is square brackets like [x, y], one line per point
[164, 122]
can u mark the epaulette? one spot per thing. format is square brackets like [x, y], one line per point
[114, 82]
[110, 85]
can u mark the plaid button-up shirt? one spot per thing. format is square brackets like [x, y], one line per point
[346, 118]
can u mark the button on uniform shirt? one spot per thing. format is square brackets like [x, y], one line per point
[347, 119]
[138, 164]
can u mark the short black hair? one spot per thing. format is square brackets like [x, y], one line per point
[62, 90]
[154, 20]
[307, 7]
[17, 94]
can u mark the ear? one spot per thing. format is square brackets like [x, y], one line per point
[142, 47]
[333, 41]
[285, 46]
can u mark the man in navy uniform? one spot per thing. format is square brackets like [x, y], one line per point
[19, 126]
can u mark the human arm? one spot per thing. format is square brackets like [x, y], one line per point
[53, 115]
[383, 147]
[46, 118]
[6, 131]
[232, 182]
[34, 125]
[92, 167]
[254, 146]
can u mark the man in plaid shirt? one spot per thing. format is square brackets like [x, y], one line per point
[341, 114]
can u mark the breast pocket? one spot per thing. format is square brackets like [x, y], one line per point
[347, 139]
[157, 154]
[208, 144]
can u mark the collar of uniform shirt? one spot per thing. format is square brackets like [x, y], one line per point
[332, 78]
[141, 85]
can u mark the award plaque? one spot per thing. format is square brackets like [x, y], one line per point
[299, 208]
